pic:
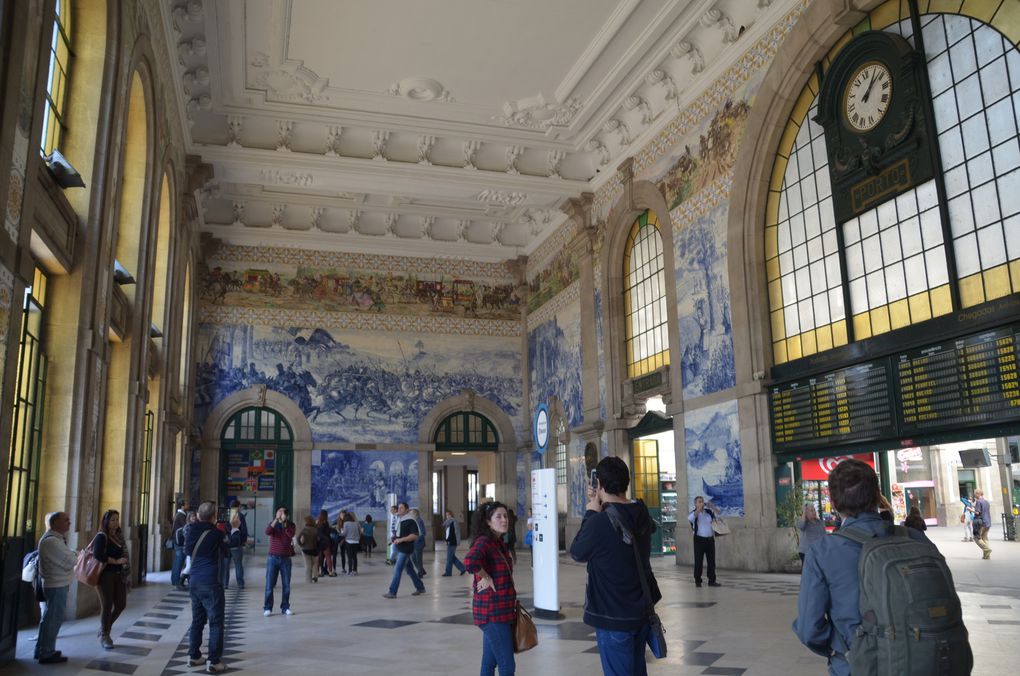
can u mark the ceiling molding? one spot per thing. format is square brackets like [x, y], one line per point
[418, 162]
[596, 47]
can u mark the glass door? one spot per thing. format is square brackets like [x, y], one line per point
[646, 483]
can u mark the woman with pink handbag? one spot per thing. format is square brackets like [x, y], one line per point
[108, 547]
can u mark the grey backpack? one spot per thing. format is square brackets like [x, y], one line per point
[911, 621]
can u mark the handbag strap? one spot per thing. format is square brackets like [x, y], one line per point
[614, 519]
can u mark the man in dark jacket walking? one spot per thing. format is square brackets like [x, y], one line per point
[615, 602]
[207, 546]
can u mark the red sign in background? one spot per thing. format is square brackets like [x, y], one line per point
[818, 469]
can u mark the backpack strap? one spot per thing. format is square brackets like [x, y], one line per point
[855, 535]
[862, 537]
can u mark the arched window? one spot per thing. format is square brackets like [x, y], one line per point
[561, 453]
[894, 258]
[644, 297]
[466, 431]
[257, 458]
[257, 425]
[56, 81]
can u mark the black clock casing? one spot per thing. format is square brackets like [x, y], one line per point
[870, 166]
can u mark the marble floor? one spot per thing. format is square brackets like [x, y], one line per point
[343, 625]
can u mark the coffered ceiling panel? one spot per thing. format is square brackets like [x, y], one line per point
[433, 128]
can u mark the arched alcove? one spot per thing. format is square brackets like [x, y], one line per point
[260, 397]
[637, 198]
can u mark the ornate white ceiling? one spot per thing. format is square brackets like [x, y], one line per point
[449, 128]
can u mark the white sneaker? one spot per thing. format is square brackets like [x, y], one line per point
[288, 612]
[267, 613]
[215, 668]
[196, 663]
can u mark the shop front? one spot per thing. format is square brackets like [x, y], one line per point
[813, 476]
[654, 480]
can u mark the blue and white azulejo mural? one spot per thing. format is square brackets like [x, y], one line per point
[363, 482]
[703, 298]
[356, 387]
[554, 356]
[714, 469]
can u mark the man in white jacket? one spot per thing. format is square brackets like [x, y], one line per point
[56, 569]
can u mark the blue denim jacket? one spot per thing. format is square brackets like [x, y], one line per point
[828, 609]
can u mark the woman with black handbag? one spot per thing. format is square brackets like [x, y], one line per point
[494, 601]
[108, 547]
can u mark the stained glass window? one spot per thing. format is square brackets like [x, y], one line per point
[644, 297]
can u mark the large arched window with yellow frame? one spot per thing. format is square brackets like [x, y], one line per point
[831, 283]
[644, 297]
[56, 80]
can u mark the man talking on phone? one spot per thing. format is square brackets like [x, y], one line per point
[615, 602]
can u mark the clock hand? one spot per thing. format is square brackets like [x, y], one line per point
[867, 92]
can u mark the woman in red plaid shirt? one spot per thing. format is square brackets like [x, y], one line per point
[495, 599]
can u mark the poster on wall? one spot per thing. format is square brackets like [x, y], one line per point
[250, 470]
[363, 481]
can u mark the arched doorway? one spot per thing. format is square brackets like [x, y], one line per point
[465, 467]
[257, 464]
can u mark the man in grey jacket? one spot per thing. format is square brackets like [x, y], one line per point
[56, 570]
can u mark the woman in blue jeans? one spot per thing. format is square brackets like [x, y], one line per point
[495, 599]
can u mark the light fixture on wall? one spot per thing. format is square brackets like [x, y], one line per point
[63, 173]
[655, 404]
[120, 274]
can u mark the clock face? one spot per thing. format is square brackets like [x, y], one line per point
[867, 96]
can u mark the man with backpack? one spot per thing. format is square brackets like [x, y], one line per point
[179, 522]
[982, 522]
[56, 571]
[877, 599]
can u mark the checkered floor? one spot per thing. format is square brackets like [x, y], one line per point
[344, 625]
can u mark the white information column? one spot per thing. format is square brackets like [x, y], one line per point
[545, 543]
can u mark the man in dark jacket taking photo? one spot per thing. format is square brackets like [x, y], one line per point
[615, 602]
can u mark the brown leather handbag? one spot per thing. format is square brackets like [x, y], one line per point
[525, 632]
[87, 568]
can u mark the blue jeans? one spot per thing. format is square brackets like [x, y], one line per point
[52, 618]
[419, 552]
[277, 565]
[452, 560]
[622, 652]
[497, 648]
[178, 565]
[237, 556]
[207, 604]
[398, 568]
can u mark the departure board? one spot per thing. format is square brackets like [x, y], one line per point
[847, 406]
[959, 383]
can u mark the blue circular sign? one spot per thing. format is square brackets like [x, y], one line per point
[541, 431]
